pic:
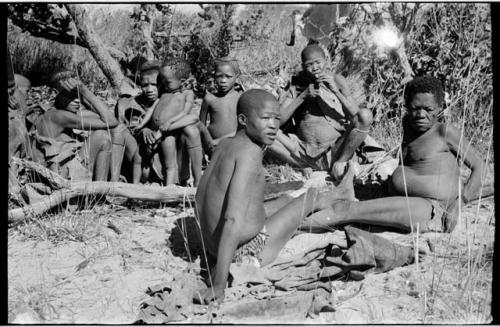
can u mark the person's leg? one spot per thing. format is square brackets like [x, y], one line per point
[98, 148]
[205, 138]
[133, 156]
[183, 161]
[169, 152]
[193, 146]
[398, 212]
[283, 222]
[355, 136]
[286, 150]
[118, 136]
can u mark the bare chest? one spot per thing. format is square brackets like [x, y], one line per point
[225, 106]
[427, 146]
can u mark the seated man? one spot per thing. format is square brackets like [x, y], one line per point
[330, 126]
[426, 186]
[56, 144]
[220, 107]
[172, 119]
[230, 197]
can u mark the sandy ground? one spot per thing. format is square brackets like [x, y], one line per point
[101, 275]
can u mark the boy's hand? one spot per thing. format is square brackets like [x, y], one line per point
[148, 136]
[312, 92]
[164, 128]
[209, 294]
[13, 103]
[329, 81]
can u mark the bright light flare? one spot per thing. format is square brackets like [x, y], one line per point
[386, 37]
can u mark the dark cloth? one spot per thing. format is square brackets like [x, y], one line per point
[10, 70]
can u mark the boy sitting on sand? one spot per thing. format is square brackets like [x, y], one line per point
[171, 118]
[230, 196]
[221, 106]
[427, 185]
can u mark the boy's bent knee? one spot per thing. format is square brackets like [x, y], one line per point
[137, 159]
[364, 118]
[101, 139]
[191, 131]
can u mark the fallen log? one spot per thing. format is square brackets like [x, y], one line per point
[168, 194]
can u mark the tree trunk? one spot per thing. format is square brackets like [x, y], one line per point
[146, 27]
[93, 42]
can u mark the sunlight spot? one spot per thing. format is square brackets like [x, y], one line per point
[386, 37]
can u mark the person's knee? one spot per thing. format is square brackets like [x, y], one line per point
[192, 133]
[137, 159]
[103, 140]
[364, 118]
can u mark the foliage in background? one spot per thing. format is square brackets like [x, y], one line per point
[449, 40]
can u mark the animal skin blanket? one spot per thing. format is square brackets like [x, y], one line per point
[297, 284]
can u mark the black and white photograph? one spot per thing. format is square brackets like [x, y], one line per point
[250, 163]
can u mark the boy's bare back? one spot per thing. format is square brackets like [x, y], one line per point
[222, 112]
[235, 158]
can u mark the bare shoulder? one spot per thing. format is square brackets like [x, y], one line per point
[188, 92]
[208, 98]
[242, 150]
[341, 82]
[445, 129]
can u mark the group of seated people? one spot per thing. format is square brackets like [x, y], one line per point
[157, 134]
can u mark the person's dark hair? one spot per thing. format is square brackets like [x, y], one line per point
[64, 98]
[230, 62]
[311, 48]
[180, 67]
[424, 84]
[148, 66]
[253, 99]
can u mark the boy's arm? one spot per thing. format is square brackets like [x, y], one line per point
[289, 106]
[146, 118]
[463, 149]
[204, 111]
[98, 106]
[338, 85]
[245, 173]
[205, 134]
[84, 121]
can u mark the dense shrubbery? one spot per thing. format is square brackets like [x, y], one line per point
[450, 41]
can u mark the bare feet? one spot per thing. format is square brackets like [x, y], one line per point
[449, 219]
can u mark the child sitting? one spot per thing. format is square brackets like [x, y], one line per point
[171, 118]
[230, 196]
[129, 111]
[221, 106]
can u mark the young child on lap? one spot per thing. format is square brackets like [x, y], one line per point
[172, 118]
[230, 196]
